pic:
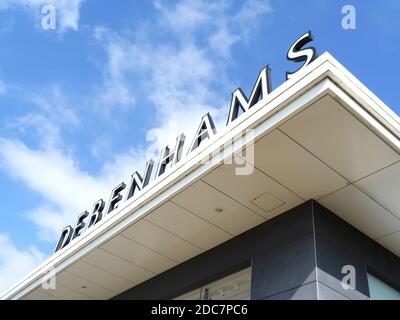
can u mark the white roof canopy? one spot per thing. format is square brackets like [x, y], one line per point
[320, 135]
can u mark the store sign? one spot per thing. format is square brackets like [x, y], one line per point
[168, 157]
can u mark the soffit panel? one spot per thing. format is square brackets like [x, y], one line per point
[71, 284]
[118, 266]
[162, 241]
[294, 167]
[40, 294]
[384, 187]
[188, 226]
[138, 254]
[203, 200]
[361, 211]
[100, 277]
[63, 293]
[251, 189]
[391, 242]
[336, 137]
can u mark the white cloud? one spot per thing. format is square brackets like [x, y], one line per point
[48, 132]
[67, 11]
[251, 14]
[55, 105]
[188, 16]
[176, 81]
[117, 93]
[218, 21]
[42, 173]
[183, 76]
[3, 87]
[116, 90]
[15, 263]
[53, 111]
[56, 176]
[50, 169]
[223, 40]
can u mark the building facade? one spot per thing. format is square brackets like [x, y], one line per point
[300, 254]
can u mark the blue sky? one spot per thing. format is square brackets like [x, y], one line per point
[82, 106]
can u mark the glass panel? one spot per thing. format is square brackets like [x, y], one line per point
[233, 287]
[379, 290]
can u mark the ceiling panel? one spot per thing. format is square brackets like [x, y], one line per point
[188, 226]
[391, 242]
[291, 165]
[256, 191]
[203, 200]
[63, 293]
[40, 294]
[118, 266]
[100, 277]
[83, 286]
[362, 212]
[384, 186]
[162, 241]
[336, 137]
[138, 254]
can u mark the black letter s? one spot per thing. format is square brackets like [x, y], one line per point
[297, 54]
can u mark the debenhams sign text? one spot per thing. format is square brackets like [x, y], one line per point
[169, 157]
